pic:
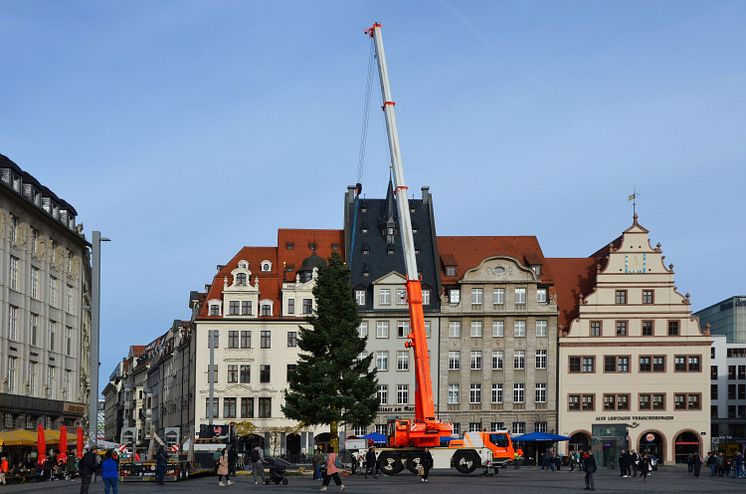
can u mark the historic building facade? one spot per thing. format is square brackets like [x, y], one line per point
[44, 305]
[633, 361]
[728, 395]
[498, 346]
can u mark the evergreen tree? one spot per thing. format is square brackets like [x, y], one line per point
[330, 385]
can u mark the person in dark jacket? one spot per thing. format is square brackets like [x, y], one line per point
[161, 459]
[427, 463]
[624, 464]
[87, 468]
[110, 473]
[589, 466]
[645, 465]
[370, 463]
[232, 460]
[696, 463]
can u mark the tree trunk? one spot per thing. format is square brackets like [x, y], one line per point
[334, 436]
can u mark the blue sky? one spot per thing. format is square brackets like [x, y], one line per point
[185, 130]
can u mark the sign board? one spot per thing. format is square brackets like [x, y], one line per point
[128, 436]
[214, 431]
[356, 443]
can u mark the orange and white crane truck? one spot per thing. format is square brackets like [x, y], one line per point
[407, 438]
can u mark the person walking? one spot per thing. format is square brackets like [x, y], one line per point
[426, 463]
[644, 466]
[232, 460]
[690, 464]
[316, 459]
[696, 463]
[161, 460]
[721, 464]
[571, 459]
[3, 470]
[738, 466]
[331, 471]
[589, 465]
[110, 474]
[634, 462]
[257, 463]
[223, 469]
[622, 465]
[370, 463]
[87, 469]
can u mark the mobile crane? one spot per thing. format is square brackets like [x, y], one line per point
[407, 438]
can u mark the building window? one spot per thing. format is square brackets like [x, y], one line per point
[229, 407]
[247, 408]
[475, 393]
[647, 328]
[245, 339]
[673, 328]
[362, 330]
[731, 372]
[215, 407]
[454, 329]
[450, 270]
[266, 266]
[519, 329]
[291, 306]
[11, 374]
[453, 394]
[245, 374]
[383, 394]
[687, 401]
[454, 295]
[53, 291]
[497, 359]
[616, 363]
[233, 308]
[307, 306]
[290, 372]
[266, 309]
[241, 279]
[265, 408]
[541, 295]
[519, 428]
[51, 380]
[541, 392]
[477, 296]
[497, 393]
[402, 360]
[621, 328]
[384, 296]
[713, 372]
[232, 339]
[214, 309]
[34, 328]
[541, 328]
[401, 296]
[402, 329]
[456, 428]
[647, 297]
[292, 339]
[498, 296]
[69, 300]
[402, 394]
[52, 335]
[13, 322]
[13, 273]
[498, 329]
[518, 392]
[520, 296]
[519, 360]
[35, 283]
[382, 361]
[654, 401]
[360, 297]
[215, 376]
[541, 359]
[68, 340]
[616, 402]
[425, 297]
[596, 328]
[476, 329]
[265, 339]
[382, 329]
[475, 426]
[427, 329]
[687, 363]
[475, 360]
[620, 297]
[454, 360]
[246, 308]
[264, 373]
[652, 363]
[232, 374]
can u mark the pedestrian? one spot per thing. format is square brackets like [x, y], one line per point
[738, 465]
[232, 460]
[161, 460]
[426, 463]
[547, 461]
[558, 460]
[370, 463]
[572, 459]
[645, 466]
[3, 469]
[690, 464]
[721, 464]
[110, 474]
[622, 466]
[589, 465]
[712, 463]
[516, 460]
[257, 463]
[331, 471]
[696, 463]
[223, 469]
[316, 460]
[634, 461]
[87, 469]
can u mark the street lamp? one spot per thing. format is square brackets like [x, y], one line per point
[95, 330]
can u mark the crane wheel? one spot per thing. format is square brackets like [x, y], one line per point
[466, 461]
[413, 462]
[390, 463]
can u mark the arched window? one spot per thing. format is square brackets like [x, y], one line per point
[266, 266]
[266, 309]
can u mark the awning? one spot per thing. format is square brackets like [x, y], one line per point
[375, 437]
[539, 436]
[20, 437]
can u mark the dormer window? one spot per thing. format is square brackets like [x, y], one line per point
[214, 309]
[266, 266]
[537, 269]
[266, 309]
[312, 246]
[450, 270]
[243, 264]
[290, 245]
[241, 279]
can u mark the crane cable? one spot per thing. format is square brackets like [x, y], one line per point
[363, 146]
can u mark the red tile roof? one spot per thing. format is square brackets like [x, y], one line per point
[468, 252]
[270, 282]
[572, 277]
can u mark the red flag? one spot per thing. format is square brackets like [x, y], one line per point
[41, 443]
[79, 443]
[63, 444]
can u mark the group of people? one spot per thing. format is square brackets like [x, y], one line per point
[719, 464]
[551, 460]
[630, 463]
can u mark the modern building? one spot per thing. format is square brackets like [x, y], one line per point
[498, 345]
[633, 360]
[252, 311]
[728, 395]
[727, 318]
[374, 255]
[44, 305]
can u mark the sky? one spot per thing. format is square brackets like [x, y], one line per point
[186, 130]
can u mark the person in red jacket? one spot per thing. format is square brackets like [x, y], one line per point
[3, 470]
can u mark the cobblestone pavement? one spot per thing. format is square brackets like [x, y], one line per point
[523, 481]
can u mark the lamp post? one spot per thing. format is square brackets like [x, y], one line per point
[95, 329]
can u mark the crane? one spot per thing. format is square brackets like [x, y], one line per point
[425, 430]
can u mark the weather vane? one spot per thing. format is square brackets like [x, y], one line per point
[633, 198]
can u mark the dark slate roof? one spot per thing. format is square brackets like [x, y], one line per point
[373, 214]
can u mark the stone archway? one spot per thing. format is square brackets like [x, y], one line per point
[654, 442]
[579, 441]
[293, 445]
[322, 440]
[684, 443]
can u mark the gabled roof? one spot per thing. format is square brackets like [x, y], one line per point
[573, 277]
[467, 252]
